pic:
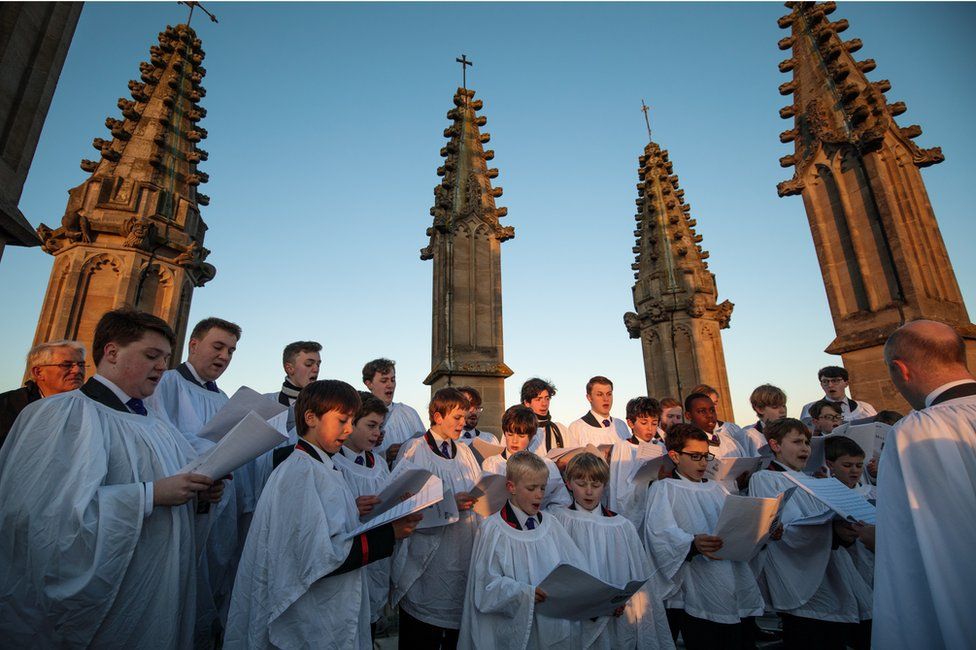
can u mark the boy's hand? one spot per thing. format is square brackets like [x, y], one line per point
[540, 596]
[391, 453]
[464, 501]
[865, 533]
[404, 526]
[365, 504]
[777, 533]
[213, 493]
[178, 489]
[872, 467]
[708, 544]
[845, 532]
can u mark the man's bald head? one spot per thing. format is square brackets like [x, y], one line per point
[923, 355]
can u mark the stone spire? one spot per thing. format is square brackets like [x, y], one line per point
[131, 233]
[465, 244]
[678, 318]
[880, 250]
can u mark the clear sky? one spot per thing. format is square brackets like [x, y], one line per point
[325, 123]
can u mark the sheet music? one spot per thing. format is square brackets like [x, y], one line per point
[848, 503]
[483, 450]
[404, 480]
[649, 470]
[720, 469]
[574, 594]
[490, 493]
[428, 495]
[817, 457]
[441, 513]
[745, 524]
[863, 434]
[244, 401]
[250, 438]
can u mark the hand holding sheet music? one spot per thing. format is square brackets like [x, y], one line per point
[427, 496]
[574, 594]
[848, 503]
[745, 524]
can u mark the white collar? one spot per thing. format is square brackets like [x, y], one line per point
[599, 418]
[196, 375]
[121, 394]
[522, 516]
[469, 433]
[348, 452]
[943, 388]
[323, 454]
[595, 512]
[439, 438]
[685, 478]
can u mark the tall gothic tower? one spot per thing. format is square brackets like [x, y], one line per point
[880, 250]
[465, 244]
[131, 233]
[678, 319]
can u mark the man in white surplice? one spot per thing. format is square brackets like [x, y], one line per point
[598, 427]
[96, 522]
[402, 421]
[925, 570]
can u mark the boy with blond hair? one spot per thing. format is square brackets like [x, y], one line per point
[769, 404]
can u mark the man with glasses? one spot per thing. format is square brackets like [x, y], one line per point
[54, 367]
[834, 381]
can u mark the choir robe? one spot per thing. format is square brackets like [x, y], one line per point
[430, 568]
[300, 583]
[470, 435]
[721, 591]
[506, 566]
[925, 583]
[849, 410]
[401, 423]
[369, 481]
[622, 495]
[753, 442]
[588, 430]
[81, 565]
[556, 493]
[616, 555]
[189, 406]
[801, 573]
[540, 446]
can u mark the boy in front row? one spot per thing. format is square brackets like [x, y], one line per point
[430, 570]
[515, 550]
[299, 579]
[616, 556]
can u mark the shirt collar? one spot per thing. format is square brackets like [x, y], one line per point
[521, 515]
[439, 438]
[595, 512]
[685, 478]
[324, 456]
[943, 388]
[196, 375]
[115, 389]
[600, 418]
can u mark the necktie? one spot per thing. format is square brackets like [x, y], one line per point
[136, 406]
[445, 450]
[360, 460]
[530, 523]
[606, 423]
[714, 441]
[211, 386]
[467, 434]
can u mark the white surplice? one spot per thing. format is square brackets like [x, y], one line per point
[283, 595]
[861, 410]
[81, 565]
[469, 436]
[556, 493]
[925, 577]
[623, 496]
[401, 423]
[538, 442]
[615, 555]
[583, 434]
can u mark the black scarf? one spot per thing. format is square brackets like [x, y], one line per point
[290, 390]
[552, 432]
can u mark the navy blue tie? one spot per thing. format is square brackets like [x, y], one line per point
[211, 386]
[445, 450]
[136, 406]
[606, 423]
[359, 460]
[530, 523]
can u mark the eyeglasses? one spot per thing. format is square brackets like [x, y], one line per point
[67, 366]
[832, 380]
[698, 457]
[831, 418]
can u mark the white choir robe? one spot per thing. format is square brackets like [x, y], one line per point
[189, 407]
[623, 496]
[753, 442]
[732, 430]
[499, 605]
[81, 565]
[430, 568]
[469, 436]
[556, 493]
[925, 582]
[727, 447]
[801, 574]
[538, 443]
[369, 481]
[721, 591]
[863, 556]
[283, 595]
[583, 434]
[616, 555]
[861, 410]
[401, 423]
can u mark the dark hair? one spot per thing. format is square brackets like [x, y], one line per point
[474, 397]
[126, 326]
[599, 379]
[837, 446]
[817, 407]
[704, 389]
[643, 407]
[669, 403]
[370, 405]
[519, 420]
[833, 372]
[323, 396]
[533, 387]
[781, 428]
[292, 350]
[200, 329]
[691, 400]
[446, 400]
[888, 417]
[380, 365]
[680, 434]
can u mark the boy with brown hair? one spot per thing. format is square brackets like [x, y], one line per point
[597, 426]
[834, 381]
[537, 394]
[645, 442]
[825, 416]
[402, 421]
[769, 403]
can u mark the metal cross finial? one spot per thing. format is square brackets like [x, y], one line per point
[193, 5]
[645, 108]
[464, 70]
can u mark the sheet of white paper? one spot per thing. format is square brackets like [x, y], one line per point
[720, 469]
[817, 458]
[569, 452]
[483, 450]
[574, 594]
[848, 503]
[649, 470]
[410, 480]
[250, 438]
[428, 495]
[490, 493]
[240, 404]
[441, 513]
[863, 434]
[745, 524]
[880, 435]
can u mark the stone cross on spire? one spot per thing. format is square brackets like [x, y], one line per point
[464, 69]
[645, 109]
[193, 5]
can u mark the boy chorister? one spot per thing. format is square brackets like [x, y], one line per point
[616, 556]
[623, 496]
[769, 404]
[825, 416]
[537, 394]
[597, 427]
[700, 411]
[728, 428]
[515, 550]
[519, 425]
[706, 598]
[811, 581]
[470, 433]
[430, 570]
[300, 581]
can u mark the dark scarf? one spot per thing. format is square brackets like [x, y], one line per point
[552, 432]
[290, 390]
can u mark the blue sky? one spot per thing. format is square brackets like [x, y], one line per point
[325, 123]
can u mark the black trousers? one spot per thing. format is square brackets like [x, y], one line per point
[801, 633]
[415, 634]
[699, 634]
